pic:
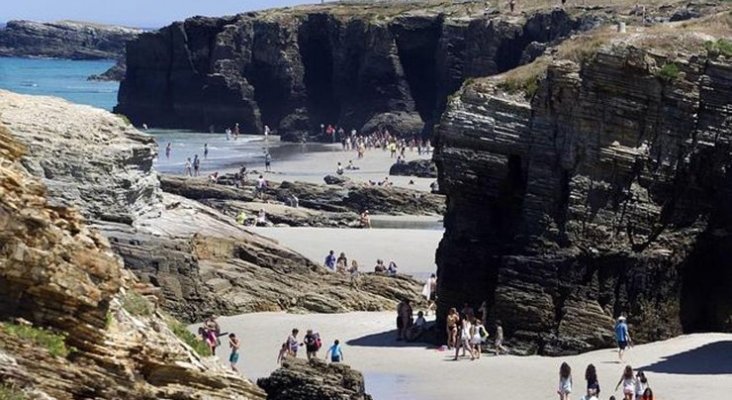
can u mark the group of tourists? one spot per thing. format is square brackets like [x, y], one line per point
[210, 333]
[312, 343]
[382, 139]
[465, 331]
[635, 385]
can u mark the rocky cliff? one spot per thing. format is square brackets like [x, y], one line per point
[360, 65]
[594, 183]
[65, 39]
[200, 259]
[65, 332]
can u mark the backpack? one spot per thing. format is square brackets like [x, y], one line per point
[318, 343]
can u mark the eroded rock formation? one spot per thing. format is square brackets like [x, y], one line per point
[606, 193]
[358, 65]
[58, 275]
[202, 261]
[65, 39]
[314, 379]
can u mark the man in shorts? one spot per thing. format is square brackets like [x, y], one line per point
[234, 356]
[622, 336]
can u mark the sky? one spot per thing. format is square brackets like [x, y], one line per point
[136, 13]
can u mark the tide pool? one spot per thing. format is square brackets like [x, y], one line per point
[59, 78]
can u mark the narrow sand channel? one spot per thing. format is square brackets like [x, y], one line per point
[688, 367]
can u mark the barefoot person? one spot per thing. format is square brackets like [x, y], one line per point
[335, 352]
[628, 383]
[499, 339]
[593, 384]
[565, 381]
[404, 319]
[622, 336]
[292, 344]
[452, 327]
[234, 356]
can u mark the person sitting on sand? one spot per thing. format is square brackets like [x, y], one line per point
[341, 267]
[350, 166]
[241, 218]
[418, 328]
[335, 352]
[262, 217]
[213, 178]
[365, 220]
[330, 261]
[342, 259]
[339, 169]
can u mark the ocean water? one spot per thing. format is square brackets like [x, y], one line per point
[60, 78]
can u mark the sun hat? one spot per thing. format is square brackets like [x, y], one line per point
[621, 318]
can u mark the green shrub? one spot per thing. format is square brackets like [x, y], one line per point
[55, 343]
[669, 72]
[720, 47]
[189, 338]
[137, 305]
[8, 392]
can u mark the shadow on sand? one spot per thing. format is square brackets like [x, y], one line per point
[386, 339]
[712, 359]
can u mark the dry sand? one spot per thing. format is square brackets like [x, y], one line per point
[688, 367]
[413, 250]
[314, 166]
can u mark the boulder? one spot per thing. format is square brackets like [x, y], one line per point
[336, 180]
[418, 168]
[314, 379]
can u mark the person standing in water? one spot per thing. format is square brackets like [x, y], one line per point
[234, 356]
[168, 149]
[187, 169]
[205, 151]
[267, 162]
[236, 131]
[196, 165]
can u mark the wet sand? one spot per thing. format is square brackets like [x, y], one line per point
[688, 367]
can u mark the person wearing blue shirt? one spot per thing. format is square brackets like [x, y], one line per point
[336, 354]
[330, 261]
[622, 336]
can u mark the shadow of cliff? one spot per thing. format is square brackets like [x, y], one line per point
[388, 339]
[711, 359]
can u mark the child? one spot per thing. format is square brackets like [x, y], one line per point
[647, 394]
[478, 337]
[336, 354]
[283, 353]
[593, 385]
[565, 381]
[628, 383]
[234, 356]
[641, 384]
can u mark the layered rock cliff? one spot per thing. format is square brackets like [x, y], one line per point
[200, 259]
[65, 39]
[64, 333]
[355, 64]
[593, 184]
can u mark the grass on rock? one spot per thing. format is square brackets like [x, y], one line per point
[54, 342]
[137, 305]
[188, 338]
[669, 72]
[8, 392]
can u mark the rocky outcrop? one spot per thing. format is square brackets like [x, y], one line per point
[65, 39]
[419, 168]
[114, 73]
[361, 66]
[314, 379]
[199, 259]
[606, 192]
[64, 333]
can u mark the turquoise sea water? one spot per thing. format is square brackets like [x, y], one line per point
[60, 78]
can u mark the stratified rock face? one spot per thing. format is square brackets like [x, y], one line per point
[608, 193]
[303, 380]
[57, 274]
[87, 158]
[65, 39]
[360, 66]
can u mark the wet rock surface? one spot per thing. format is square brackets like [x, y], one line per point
[418, 168]
[65, 39]
[606, 193]
[303, 380]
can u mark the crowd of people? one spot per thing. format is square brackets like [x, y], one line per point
[312, 343]
[340, 265]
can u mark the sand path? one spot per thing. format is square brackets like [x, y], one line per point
[688, 367]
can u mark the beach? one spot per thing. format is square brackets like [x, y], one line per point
[687, 367]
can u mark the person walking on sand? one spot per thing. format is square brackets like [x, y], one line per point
[292, 344]
[464, 339]
[236, 131]
[267, 162]
[565, 381]
[477, 336]
[188, 167]
[452, 327]
[622, 336]
[641, 384]
[628, 383]
[234, 356]
[499, 339]
[168, 149]
[205, 151]
[312, 344]
[335, 352]
[593, 384]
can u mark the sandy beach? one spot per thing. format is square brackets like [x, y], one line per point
[682, 368]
